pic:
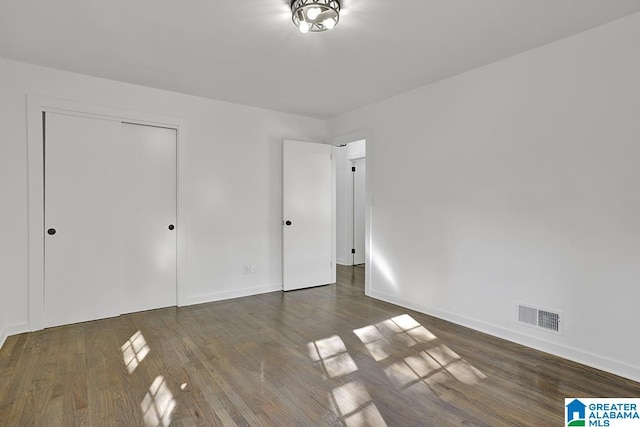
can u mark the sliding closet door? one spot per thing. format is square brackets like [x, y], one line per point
[110, 218]
[149, 217]
[82, 229]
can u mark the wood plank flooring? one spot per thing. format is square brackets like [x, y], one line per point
[326, 356]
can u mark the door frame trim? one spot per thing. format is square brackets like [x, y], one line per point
[36, 106]
[346, 138]
[353, 208]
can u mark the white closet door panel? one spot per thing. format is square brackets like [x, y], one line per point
[83, 264]
[149, 196]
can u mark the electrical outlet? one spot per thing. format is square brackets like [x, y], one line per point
[249, 268]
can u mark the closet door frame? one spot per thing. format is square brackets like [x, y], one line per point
[37, 106]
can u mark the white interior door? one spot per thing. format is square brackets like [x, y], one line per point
[359, 200]
[83, 230]
[307, 215]
[149, 217]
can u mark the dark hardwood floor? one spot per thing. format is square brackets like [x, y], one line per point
[321, 356]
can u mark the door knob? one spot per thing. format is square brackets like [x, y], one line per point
[288, 222]
[171, 227]
[51, 231]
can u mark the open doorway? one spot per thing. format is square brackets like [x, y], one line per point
[350, 203]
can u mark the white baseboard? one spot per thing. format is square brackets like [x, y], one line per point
[343, 262]
[585, 358]
[220, 296]
[8, 330]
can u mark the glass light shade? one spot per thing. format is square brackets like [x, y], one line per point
[329, 23]
[313, 13]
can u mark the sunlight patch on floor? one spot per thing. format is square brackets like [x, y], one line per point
[349, 401]
[383, 338]
[435, 366]
[134, 351]
[158, 404]
[332, 354]
[355, 406]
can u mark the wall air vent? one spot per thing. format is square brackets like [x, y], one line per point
[528, 315]
[540, 318]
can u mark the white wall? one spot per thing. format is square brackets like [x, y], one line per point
[517, 182]
[233, 181]
[344, 202]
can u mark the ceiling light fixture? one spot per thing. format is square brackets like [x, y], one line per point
[315, 15]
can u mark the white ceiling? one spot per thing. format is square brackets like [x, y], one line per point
[249, 52]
